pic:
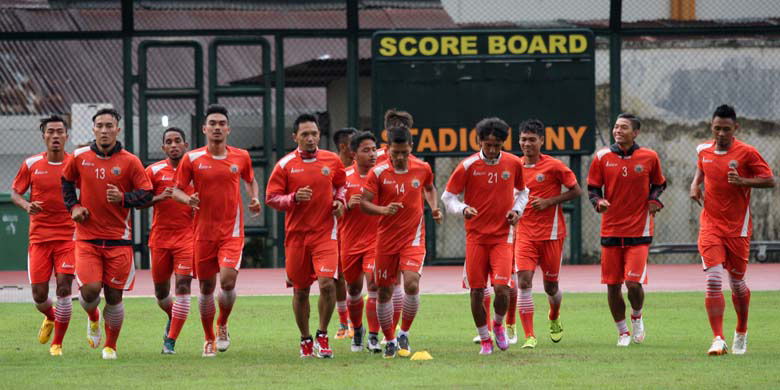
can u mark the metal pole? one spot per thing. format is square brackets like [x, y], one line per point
[615, 43]
[352, 64]
[280, 138]
[575, 241]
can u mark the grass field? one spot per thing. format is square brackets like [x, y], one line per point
[264, 350]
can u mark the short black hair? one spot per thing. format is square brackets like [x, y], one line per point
[396, 118]
[726, 112]
[399, 135]
[342, 134]
[304, 118]
[358, 139]
[109, 111]
[176, 130]
[216, 109]
[492, 126]
[532, 126]
[635, 123]
[51, 119]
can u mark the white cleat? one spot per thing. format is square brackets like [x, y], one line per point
[739, 346]
[718, 347]
[93, 332]
[109, 353]
[624, 340]
[638, 329]
[223, 338]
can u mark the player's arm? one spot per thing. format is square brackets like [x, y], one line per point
[429, 192]
[762, 174]
[253, 189]
[368, 207]
[166, 194]
[455, 187]
[20, 185]
[698, 178]
[657, 187]
[539, 203]
[141, 194]
[339, 190]
[276, 195]
[70, 174]
[595, 184]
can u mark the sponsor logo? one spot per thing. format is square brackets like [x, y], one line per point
[501, 277]
[66, 265]
[386, 181]
[352, 185]
[411, 263]
[296, 170]
[325, 171]
[324, 269]
[226, 260]
[116, 171]
[114, 280]
[40, 172]
[182, 266]
[476, 173]
[550, 275]
[733, 164]
[415, 183]
[203, 166]
[234, 168]
[609, 164]
[633, 275]
[539, 177]
[638, 168]
[85, 163]
[705, 160]
[165, 178]
[505, 175]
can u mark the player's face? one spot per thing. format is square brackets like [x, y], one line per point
[174, 146]
[623, 132]
[307, 136]
[723, 131]
[531, 144]
[399, 154]
[55, 135]
[344, 145]
[365, 156]
[106, 130]
[216, 128]
[491, 147]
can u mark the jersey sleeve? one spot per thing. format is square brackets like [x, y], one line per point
[519, 180]
[457, 181]
[150, 176]
[372, 183]
[758, 166]
[339, 175]
[428, 176]
[71, 170]
[595, 177]
[277, 183]
[657, 176]
[184, 173]
[22, 180]
[566, 176]
[140, 179]
[247, 173]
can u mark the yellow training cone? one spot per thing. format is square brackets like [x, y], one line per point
[422, 355]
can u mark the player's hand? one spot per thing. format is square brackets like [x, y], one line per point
[354, 201]
[512, 217]
[470, 212]
[79, 213]
[303, 194]
[113, 195]
[166, 194]
[696, 195]
[539, 204]
[194, 201]
[602, 206]
[338, 208]
[393, 208]
[34, 207]
[654, 207]
[255, 207]
[437, 215]
[734, 177]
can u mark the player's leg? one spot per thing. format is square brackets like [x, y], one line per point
[411, 268]
[65, 266]
[341, 306]
[371, 301]
[385, 274]
[182, 261]
[738, 250]
[551, 268]
[89, 275]
[325, 262]
[40, 263]
[499, 259]
[229, 257]
[636, 275]
[476, 271]
[612, 275]
[511, 312]
[113, 318]
[352, 266]
[527, 257]
[299, 271]
[713, 255]
[207, 268]
[118, 276]
[161, 260]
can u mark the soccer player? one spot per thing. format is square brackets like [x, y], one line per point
[542, 229]
[170, 240]
[358, 244]
[399, 187]
[215, 172]
[112, 181]
[51, 230]
[729, 169]
[342, 139]
[488, 180]
[624, 184]
[308, 185]
[394, 118]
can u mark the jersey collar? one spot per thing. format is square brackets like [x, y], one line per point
[615, 148]
[117, 148]
[308, 156]
[489, 161]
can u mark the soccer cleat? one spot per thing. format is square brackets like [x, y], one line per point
[322, 347]
[477, 339]
[373, 343]
[404, 350]
[44, 334]
[209, 349]
[511, 334]
[167, 329]
[391, 349]
[55, 350]
[93, 331]
[307, 348]
[739, 346]
[168, 346]
[624, 340]
[342, 332]
[487, 347]
[718, 347]
[556, 330]
[109, 353]
[500, 335]
[638, 329]
[357, 340]
[223, 338]
[530, 343]
[351, 327]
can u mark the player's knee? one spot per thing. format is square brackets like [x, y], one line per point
[160, 293]
[89, 293]
[63, 291]
[501, 290]
[412, 287]
[113, 296]
[477, 294]
[327, 286]
[385, 293]
[525, 280]
[354, 289]
[633, 286]
[551, 288]
[183, 287]
[40, 295]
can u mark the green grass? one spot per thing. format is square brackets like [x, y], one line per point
[264, 350]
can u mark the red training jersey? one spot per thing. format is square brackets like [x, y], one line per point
[358, 230]
[171, 221]
[44, 180]
[544, 180]
[726, 211]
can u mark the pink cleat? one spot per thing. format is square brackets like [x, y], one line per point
[487, 347]
[500, 334]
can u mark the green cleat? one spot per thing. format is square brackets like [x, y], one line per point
[556, 330]
[530, 343]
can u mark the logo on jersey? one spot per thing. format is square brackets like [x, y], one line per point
[85, 163]
[40, 172]
[733, 164]
[704, 160]
[296, 170]
[388, 181]
[638, 168]
[166, 178]
[539, 177]
[505, 175]
[234, 168]
[325, 171]
[116, 171]
[351, 185]
[479, 173]
[611, 164]
[201, 166]
[415, 183]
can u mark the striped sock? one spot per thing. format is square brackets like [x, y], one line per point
[113, 316]
[713, 299]
[373, 321]
[355, 308]
[483, 332]
[622, 327]
[398, 303]
[46, 308]
[180, 310]
[740, 296]
[341, 308]
[411, 305]
[207, 310]
[62, 318]
[526, 303]
[91, 308]
[226, 299]
[384, 312]
[166, 304]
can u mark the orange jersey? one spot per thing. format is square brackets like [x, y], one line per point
[544, 180]
[106, 221]
[358, 230]
[626, 181]
[324, 174]
[489, 188]
[406, 227]
[220, 213]
[43, 179]
[726, 210]
[171, 221]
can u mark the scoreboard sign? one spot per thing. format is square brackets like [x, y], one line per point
[449, 80]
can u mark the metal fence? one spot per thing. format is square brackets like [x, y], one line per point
[670, 62]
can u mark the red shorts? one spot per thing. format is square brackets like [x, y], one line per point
[624, 263]
[111, 265]
[388, 266]
[210, 256]
[547, 254]
[487, 260]
[732, 252]
[42, 257]
[355, 265]
[309, 256]
[166, 261]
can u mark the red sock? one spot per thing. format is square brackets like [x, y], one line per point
[114, 316]
[224, 313]
[715, 307]
[398, 304]
[741, 306]
[355, 307]
[384, 313]
[207, 309]
[61, 319]
[512, 310]
[180, 310]
[527, 312]
[49, 313]
[373, 321]
[93, 315]
[411, 305]
[226, 300]
[341, 308]
[486, 305]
